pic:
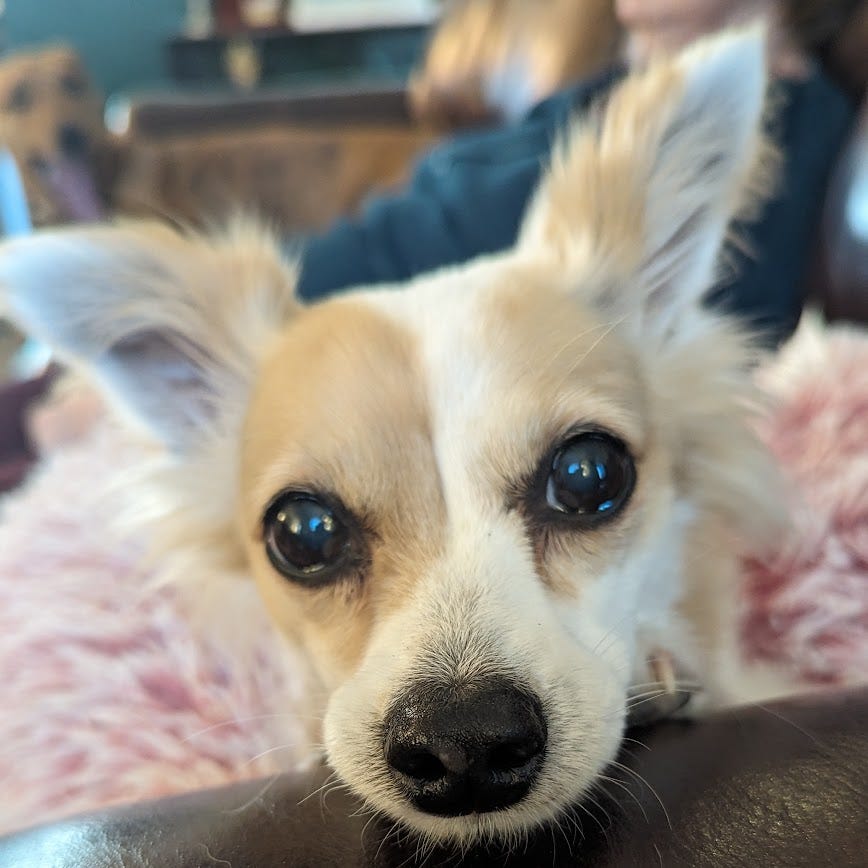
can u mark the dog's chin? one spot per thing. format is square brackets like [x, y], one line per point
[568, 774]
[512, 825]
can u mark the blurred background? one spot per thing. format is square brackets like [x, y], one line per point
[300, 110]
[222, 75]
[187, 109]
[128, 45]
[296, 109]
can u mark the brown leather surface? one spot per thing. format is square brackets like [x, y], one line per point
[781, 785]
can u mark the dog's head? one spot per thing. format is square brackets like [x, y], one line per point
[469, 498]
[51, 120]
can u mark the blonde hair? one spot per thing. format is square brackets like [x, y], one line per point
[485, 49]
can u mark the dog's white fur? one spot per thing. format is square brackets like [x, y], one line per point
[422, 405]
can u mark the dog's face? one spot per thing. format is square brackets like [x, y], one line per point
[470, 499]
[50, 119]
[463, 518]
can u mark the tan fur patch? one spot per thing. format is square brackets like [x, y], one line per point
[340, 408]
[568, 370]
[597, 184]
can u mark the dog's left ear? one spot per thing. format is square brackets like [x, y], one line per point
[171, 326]
[637, 200]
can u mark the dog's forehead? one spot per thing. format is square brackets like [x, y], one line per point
[506, 350]
[453, 375]
[338, 401]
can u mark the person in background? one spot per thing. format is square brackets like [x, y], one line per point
[468, 195]
[491, 59]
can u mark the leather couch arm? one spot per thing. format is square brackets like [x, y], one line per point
[780, 785]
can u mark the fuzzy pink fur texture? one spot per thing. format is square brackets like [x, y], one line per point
[806, 608]
[109, 695]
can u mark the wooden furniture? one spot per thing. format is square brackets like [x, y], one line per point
[299, 158]
[386, 53]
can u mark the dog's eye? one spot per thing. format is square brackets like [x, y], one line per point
[305, 539]
[21, 98]
[592, 475]
[72, 84]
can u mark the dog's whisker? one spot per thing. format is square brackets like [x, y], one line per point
[424, 851]
[575, 825]
[610, 633]
[362, 834]
[644, 699]
[680, 683]
[235, 721]
[652, 691]
[576, 339]
[269, 784]
[328, 782]
[427, 847]
[635, 699]
[394, 826]
[558, 822]
[622, 786]
[577, 363]
[334, 788]
[642, 780]
[271, 750]
[579, 806]
[635, 741]
[330, 779]
[599, 806]
[413, 857]
[789, 722]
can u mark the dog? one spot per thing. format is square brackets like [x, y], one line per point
[497, 506]
[51, 122]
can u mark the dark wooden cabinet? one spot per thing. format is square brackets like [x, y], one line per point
[282, 55]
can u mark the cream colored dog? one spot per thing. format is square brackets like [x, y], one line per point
[481, 502]
[51, 122]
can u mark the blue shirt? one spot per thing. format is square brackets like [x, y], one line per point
[467, 197]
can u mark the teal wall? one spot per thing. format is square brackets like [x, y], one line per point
[122, 41]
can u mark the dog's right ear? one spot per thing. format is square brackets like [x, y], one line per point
[637, 200]
[170, 325]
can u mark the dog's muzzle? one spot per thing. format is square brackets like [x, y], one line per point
[456, 751]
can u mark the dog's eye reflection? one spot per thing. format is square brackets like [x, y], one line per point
[592, 475]
[305, 539]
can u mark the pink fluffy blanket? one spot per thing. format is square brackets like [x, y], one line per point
[109, 695]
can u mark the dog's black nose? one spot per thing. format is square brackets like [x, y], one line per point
[72, 141]
[459, 752]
